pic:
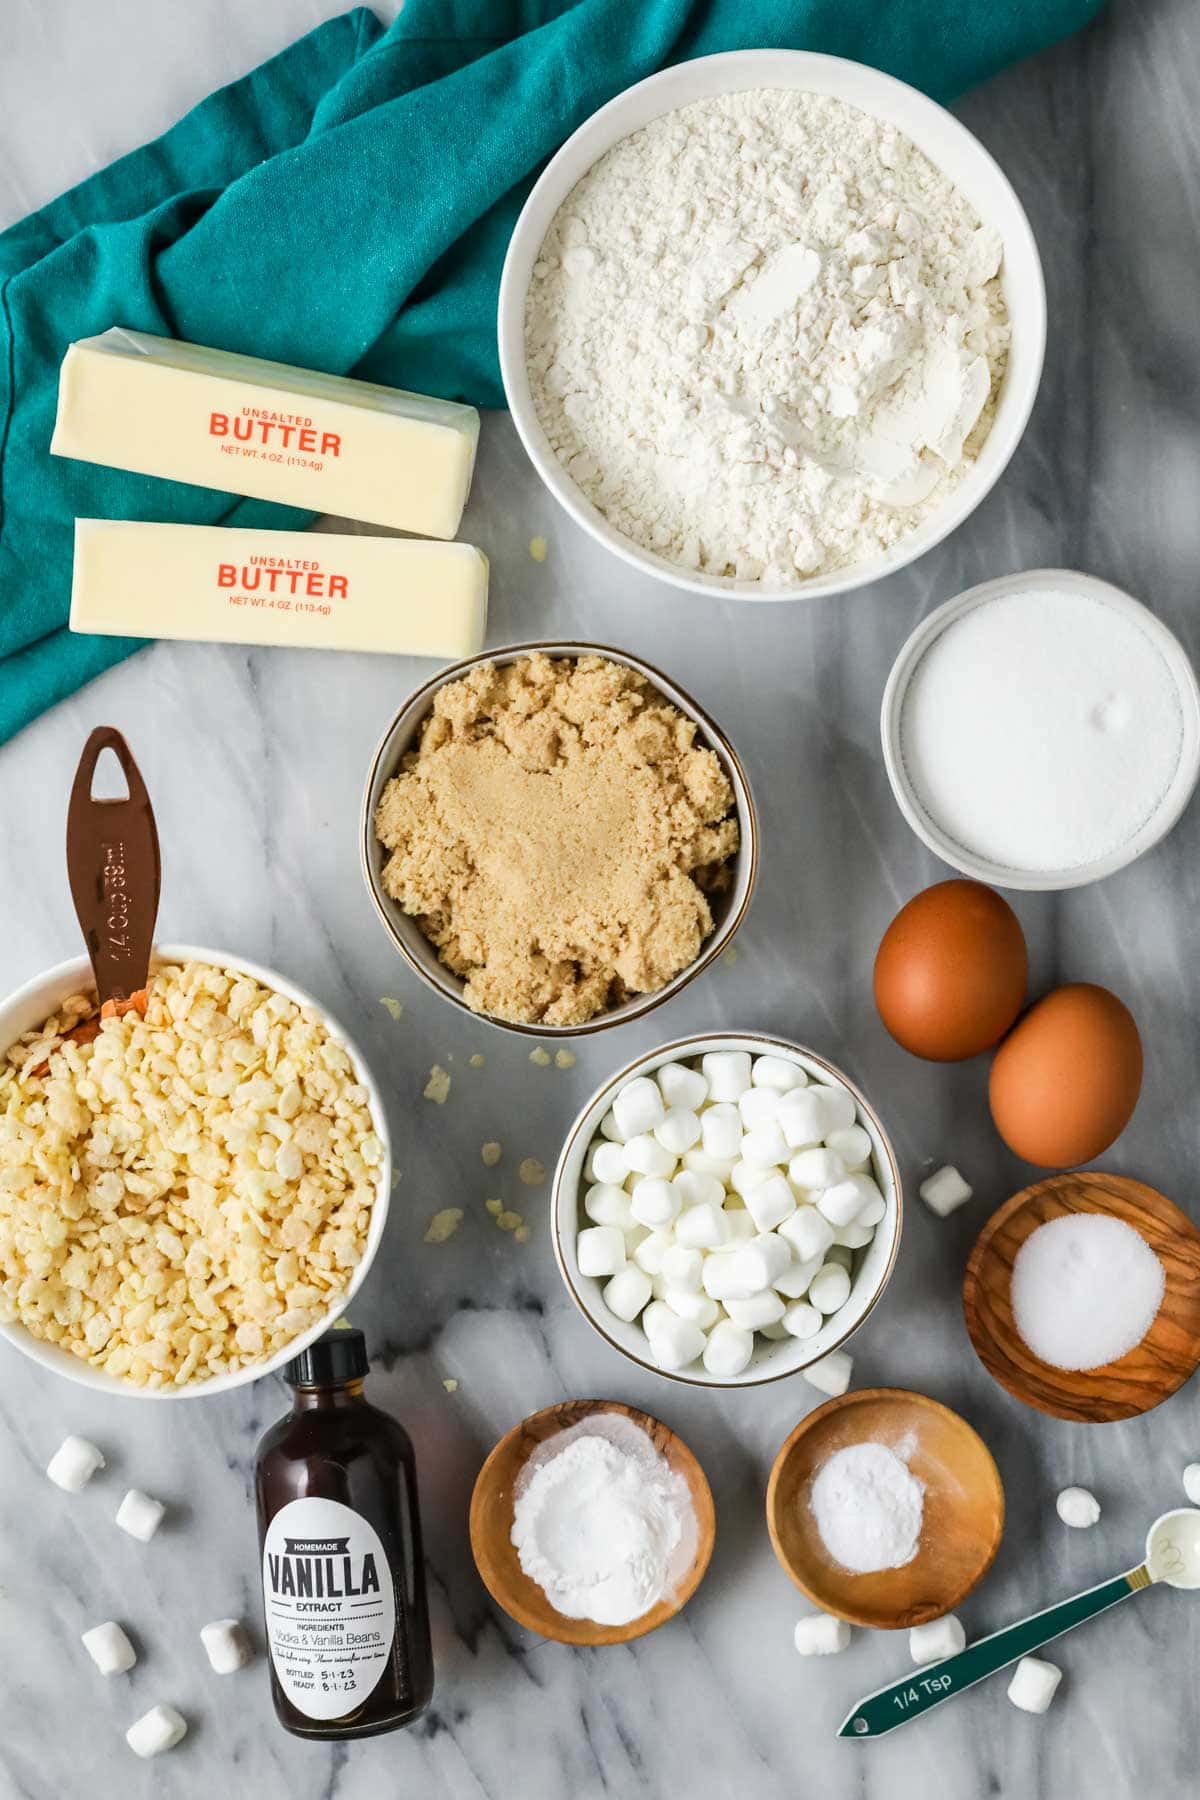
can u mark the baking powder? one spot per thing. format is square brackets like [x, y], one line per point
[602, 1523]
[868, 1506]
[763, 335]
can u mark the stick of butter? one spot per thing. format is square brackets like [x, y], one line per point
[309, 589]
[325, 442]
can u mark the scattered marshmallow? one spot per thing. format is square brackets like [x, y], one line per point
[1191, 1483]
[936, 1641]
[1077, 1507]
[820, 1634]
[943, 1193]
[73, 1464]
[140, 1515]
[600, 1250]
[158, 1730]
[226, 1644]
[109, 1648]
[831, 1375]
[638, 1108]
[1034, 1684]
[727, 1073]
[627, 1292]
[728, 1350]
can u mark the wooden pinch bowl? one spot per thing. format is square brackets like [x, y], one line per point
[963, 1517]
[1149, 1373]
[492, 1518]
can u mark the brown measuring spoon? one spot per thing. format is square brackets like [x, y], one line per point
[114, 871]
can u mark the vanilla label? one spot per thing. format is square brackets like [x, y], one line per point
[330, 1606]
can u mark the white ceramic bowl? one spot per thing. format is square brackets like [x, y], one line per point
[772, 1358]
[928, 828]
[33, 1003]
[947, 143]
[729, 907]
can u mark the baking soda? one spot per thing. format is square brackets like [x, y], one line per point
[868, 1506]
[1085, 1290]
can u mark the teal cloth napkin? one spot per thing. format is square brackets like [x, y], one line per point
[347, 207]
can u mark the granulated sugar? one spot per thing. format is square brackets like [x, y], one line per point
[1085, 1290]
[1041, 730]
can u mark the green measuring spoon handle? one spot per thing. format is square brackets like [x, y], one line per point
[902, 1700]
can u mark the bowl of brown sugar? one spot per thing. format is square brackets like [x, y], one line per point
[556, 837]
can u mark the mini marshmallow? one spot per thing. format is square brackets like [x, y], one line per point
[829, 1288]
[758, 1264]
[808, 1231]
[743, 1176]
[694, 1188]
[727, 1073]
[226, 1645]
[687, 1304]
[607, 1204]
[853, 1237]
[739, 1227]
[721, 1129]
[943, 1192]
[600, 1251]
[656, 1316]
[109, 1648]
[682, 1267]
[649, 1255]
[1077, 1507]
[679, 1130]
[682, 1087]
[158, 1730]
[1034, 1684]
[676, 1342]
[816, 1168]
[758, 1106]
[638, 1108]
[802, 1320]
[141, 1516]
[717, 1276]
[841, 1110]
[728, 1350]
[758, 1310]
[610, 1163]
[764, 1147]
[852, 1144]
[655, 1202]
[874, 1208]
[802, 1118]
[627, 1292]
[774, 1072]
[831, 1375]
[610, 1129]
[771, 1202]
[702, 1227]
[819, 1634]
[647, 1157]
[1191, 1483]
[934, 1642]
[797, 1278]
[842, 1203]
[73, 1464]
[699, 1162]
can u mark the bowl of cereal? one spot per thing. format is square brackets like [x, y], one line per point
[193, 1196]
[557, 838]
[771, 324]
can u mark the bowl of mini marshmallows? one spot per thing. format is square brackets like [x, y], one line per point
[191, 1196]
[727, 1211]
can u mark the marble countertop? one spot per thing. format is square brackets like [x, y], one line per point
[256, 760]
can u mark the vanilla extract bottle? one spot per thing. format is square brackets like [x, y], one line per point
[347, 1623]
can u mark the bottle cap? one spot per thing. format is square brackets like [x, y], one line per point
[338, 1355]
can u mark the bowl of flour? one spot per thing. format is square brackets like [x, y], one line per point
[771, 325]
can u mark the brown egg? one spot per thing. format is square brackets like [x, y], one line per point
[1065, 1082]
[950, 973]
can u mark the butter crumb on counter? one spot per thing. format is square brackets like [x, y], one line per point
[509, 1221]
[729, 957]
[394, 1007]
[443, 1224]
[438, 1086]
[495, 1207]
[450, 1384]
[490, 1153]
[395, 1179]
[538, 548]
[564, 1059]
[540, 1057]
[521, 1234]
[477, 1060]
[532, 1172]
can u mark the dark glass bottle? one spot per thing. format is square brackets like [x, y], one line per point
[340, 1536]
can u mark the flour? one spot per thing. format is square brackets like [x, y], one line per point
[868, 1506]
[764, 336]
[602, 1523]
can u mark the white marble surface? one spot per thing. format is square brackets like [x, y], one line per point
[256, 761]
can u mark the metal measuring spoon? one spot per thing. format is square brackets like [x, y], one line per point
[1172, 1557]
